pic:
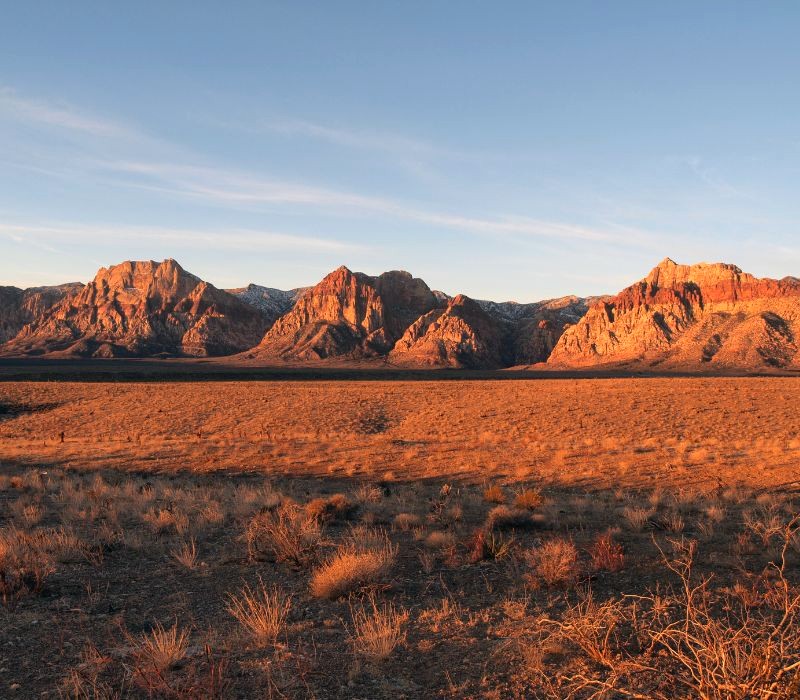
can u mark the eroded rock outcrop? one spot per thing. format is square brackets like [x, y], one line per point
[19, 307]
[142, 308]
[462, 334]
[348, 314]
[689, 316]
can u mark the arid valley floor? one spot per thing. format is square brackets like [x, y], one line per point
[555, 538]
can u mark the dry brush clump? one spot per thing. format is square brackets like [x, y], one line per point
[364, 560]
[554, 562]
[713, 643]
[261, 611]
[287, 534]
[606, 554]
[25, 565]
[377, 630]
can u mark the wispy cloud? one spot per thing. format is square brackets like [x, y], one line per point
[351, 138]
[232, 188]
[59, 115]
[183, 176]
[236, 239]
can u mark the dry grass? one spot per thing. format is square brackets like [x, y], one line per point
[637, 517]
[494, 494]
[528, 498]
[262, 612]
[554, 562]
[161, 648]
[518, 599]
[288, 534]
[607, 555]
[366, 559]
[186, 554]
[377, 630]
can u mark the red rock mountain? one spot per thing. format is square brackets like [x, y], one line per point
[462, 334]
[140, 309]
[705, 315]
[348, 314]
[19, 307]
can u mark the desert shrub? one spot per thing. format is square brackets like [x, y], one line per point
[554, 562]
[503, 517]
[25, 565]
[160, 649]
[368, 493]
[488, 544]
[406, 521]
[528, 498]
[336, 507]
[736, 643]
[262, 612]
[494, 494]
[439, 540]
[287, 534]
[607, 555]
[366, 559]
[186, 554]
[377, 631]
[637, 517]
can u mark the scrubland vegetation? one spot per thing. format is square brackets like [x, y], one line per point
[521, 579]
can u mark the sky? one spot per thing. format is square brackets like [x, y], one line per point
[510, 151]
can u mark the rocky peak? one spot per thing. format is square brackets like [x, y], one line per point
[348, 313]
[143, 308]
[729, 312]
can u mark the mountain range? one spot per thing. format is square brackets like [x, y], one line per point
[678, 317]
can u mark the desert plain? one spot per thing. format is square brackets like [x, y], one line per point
[497, 538]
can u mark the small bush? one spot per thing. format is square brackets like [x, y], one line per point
[606, 554]
[554, 562]
[494, 494]
[406, 521]
[337, 507]
[529, 499]
[364, 561]
[377, 632]
[503, 517]
[288, 534]
[261, 611]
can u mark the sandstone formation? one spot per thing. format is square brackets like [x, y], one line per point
[462, 334]
[348, 314]
[19, 307]
[141, 309]
[705, 315]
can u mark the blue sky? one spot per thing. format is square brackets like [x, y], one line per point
[504, 150]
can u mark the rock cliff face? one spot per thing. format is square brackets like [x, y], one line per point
[462, 334]
[142, 309]
[689, 316]
[348, 314]
[19, 307]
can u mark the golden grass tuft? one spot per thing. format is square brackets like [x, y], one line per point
[363, 561]
[554, 562]
[529, 499]
[377, 631]
[261, 611]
